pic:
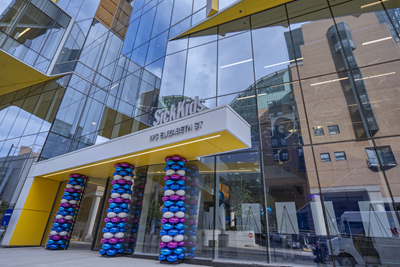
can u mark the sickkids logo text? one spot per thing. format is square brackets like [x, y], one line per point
[184, 108]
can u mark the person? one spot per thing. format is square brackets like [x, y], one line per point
[319, 252]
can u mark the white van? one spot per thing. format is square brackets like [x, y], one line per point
[367, 238]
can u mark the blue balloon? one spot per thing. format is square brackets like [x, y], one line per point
[109, 224]
[58, 229]
[66, 225]
[123, 173]
[50, 241]
[170, 162]
[172, 258]
[182, 209]
[175, 167]
[121, 225]
[109, 210]
[113, 205]
[116, 186]
[74, 182]
[80, 180]
[179, 226]
[174, 187]
[76, 194]
[105, 230]
[124, 205]
[115, 173]
[174, 208]
[169, 182]
[71, 179]
[128, 170]
[178, 250]
[127, 186]
[63, 246]
[167, 226]
[114, 230]
[67, 193]
[165, 188]
[71, 209]
[181, 163]
[184, 169]
[106, 246]
[118, 169]
[181, 256]
[117, 209]
[193, 249]
[54, 246]
[111, 252]
[181, 232]
[164, 209]
[60, 242]
[102, 251]
[194, 227]
[120, 251]
[126, 210]
[168, 203]
[165, 251]
[56, 224]
[184, 249]
[163, 232]
[130, 192]
[68, 198]
[162, 257]
[180, 182]
[112, 191]
[118, 246]
[166, 168]
[182, 188]
[173, 232]
[180, 203]
[120, 191]
[130, 174]
[122, 230]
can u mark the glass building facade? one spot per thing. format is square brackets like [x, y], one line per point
[318, 81]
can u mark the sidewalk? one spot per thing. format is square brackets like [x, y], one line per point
[39, 257]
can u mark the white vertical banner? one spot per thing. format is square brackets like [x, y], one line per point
[318, 218]
[374, 218]
[251, 219]
[286, 217]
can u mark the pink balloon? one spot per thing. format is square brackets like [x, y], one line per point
[103, 240]
[162, 245]
[113, 182]
[106, 220]
[111, 200]
[113, 240]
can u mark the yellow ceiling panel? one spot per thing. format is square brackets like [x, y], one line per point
[241, 9]
[16, 75]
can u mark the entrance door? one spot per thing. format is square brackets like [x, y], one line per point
[86, 222]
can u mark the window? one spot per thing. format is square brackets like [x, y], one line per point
[325, 157]
[385, 155]
[333, 129]
[340, 156]
[319, 130]
[276, 155]
[274, 143]
[283, 142]
[285, 156]
[286, 169]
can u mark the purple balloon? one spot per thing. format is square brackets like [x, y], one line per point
[50, 237]
[124, 165]
[181, 244]
[121, 240]
[174, 197]
[127, 201]
[79, 191]
[62, 220]
[116, 220]
[182, 198]
[83, 176]
[111, 200]
[183, 178]
[56, 220]
[184, 160]
[106, 220]
[175, 176]
[66, 190]
[114, 182]
[121, 181]
[162, 245]
[164, 220]
[56, 237]
[132, 240]
[182, 220]
[139, 203]
[173, 220]
[176, 157]
[113, 240]
[166, 178]
[71, 190]
[70, 221]
[65, 237]
[117, 165]
[193, 244]
[190, 243]
[172, 244]
[132, 167]
[74, 206]
[76, 175]
[129, 182]
[119, 200]
[135, 220]
[103, 240]
[66, 205]
[167, 158]
[60, 205]
[124, 219]
[165, 198]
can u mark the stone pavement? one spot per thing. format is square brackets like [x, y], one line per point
[39, 257]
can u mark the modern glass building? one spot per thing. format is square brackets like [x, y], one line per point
[316, 80]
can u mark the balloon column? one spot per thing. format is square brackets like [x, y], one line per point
[64, 221]
[191, 210]
[117, 213]
[173, 228]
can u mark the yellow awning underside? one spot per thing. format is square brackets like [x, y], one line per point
[241, 9]
[16, 75]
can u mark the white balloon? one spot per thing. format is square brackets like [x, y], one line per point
[59, 216]
[119, 235]
[54, 233]
[122, 215]
[64, 201]
[125, 196]
[117, 177]
[111, 214]
[188, 179]
[73, 202]
[193, 217]
[108, 235]
[185, 237]
[166, 238]
[181, 172]
[187, 196]
[192, 238]
[179, 214]
[186, 216]
[168, 214]
[78, 187]
[69, 186]
[180, 193]
[178, 238]
[127, 178]
[169, 192]
[68, 217]
[63, 233]
[169, 172]
[115, 195]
